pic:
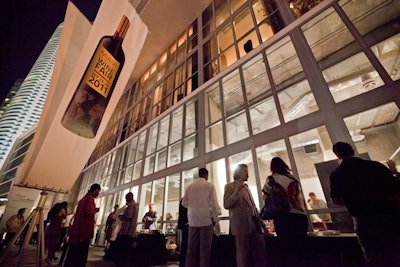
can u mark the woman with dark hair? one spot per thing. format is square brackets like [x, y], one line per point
[53, 231]
[291, 228]
[295, 223]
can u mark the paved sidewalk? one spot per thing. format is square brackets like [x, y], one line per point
[95, 258]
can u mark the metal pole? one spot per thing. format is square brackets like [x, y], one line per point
[34, 217]
[15, 237]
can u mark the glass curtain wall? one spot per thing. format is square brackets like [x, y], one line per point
[331, 74]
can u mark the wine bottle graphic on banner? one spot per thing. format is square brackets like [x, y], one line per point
[86, 108]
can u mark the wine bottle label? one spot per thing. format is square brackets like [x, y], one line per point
[102, 71]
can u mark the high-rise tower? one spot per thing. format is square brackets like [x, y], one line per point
[25, 109]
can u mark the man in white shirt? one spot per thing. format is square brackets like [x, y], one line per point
[201, 201]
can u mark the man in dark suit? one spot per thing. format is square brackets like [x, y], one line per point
[245, 222]
[369, 191]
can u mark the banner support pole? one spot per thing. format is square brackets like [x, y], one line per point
[35, 218]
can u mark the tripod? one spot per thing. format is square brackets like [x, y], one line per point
[34, 219]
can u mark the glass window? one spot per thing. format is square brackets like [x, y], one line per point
[149, 164]
[145, 200]
[235, 4]
[264, 115]
[388, 52]
[284, 63]
[161, 157]
[132, 150]
[309, 148]
[176, 125]
[192, 43]
[172, 48]
[376, 132]
[236, 127]
[111, 163]
[351, 77]
[301, 7]
[188, 177]
[190, 147]
[159, 187]
[243, 44]
[128, 174]
[182, 39]
[174, 154]
[137, 170]
[225, 38]
[259, 10]
[313, 155]
[213, 104]
[191, 65]
[172, 204]
[210, 50]
[297, 101]
[368, 16]
[179, 75]
[157, 101]
[222, 12]
[166, 103]
[163, 58]
[227, 58]
[232, 92]
[218, 177]
[179, 93]
[181, 54]
[210, 70]
[151, 144]
[163, 133]
[140, 149]
[207, 19]
[255, 79]
[214, 137]
[160, 73]
[191, 114]
[264, 155]
[243, 23]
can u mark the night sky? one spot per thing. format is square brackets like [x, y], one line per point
[25, 27]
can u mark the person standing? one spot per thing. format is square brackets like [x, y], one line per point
[53, 230]
[291, 228]
[201, 201]
[127, 231]
[245, 222]
[295, 223]
[366, 188]
[82, 229]
[13, 224]
[183, 230]
[110, 226]
[64, 229]
[150, 218]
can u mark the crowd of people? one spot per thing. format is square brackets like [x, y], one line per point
[369, 190]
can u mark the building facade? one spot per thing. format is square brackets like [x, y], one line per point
[246, 81]
[10, 96]
[25, 109]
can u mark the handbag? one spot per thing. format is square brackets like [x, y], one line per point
[277, 203]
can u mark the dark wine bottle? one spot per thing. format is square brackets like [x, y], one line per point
[86, 108]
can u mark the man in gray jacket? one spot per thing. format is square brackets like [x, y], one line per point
[245, 222]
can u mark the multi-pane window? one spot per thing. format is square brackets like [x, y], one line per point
[262, 106]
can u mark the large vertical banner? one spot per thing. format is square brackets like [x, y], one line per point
[85, 89]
